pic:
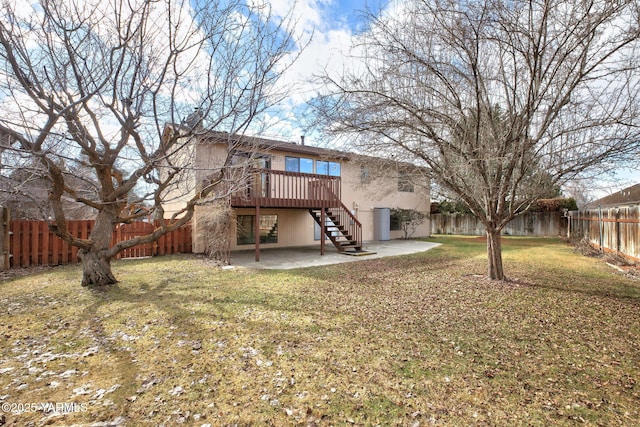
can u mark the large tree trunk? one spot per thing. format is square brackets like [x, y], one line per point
[494, 253]
[96, 268]
[96, 264]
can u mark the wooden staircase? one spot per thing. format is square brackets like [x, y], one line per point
[341, 227]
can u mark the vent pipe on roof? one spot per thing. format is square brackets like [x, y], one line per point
[301, 139]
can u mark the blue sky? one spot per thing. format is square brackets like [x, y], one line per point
[328, 26]
[350, 12]
[331, 25]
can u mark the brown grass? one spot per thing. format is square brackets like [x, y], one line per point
[415, 340]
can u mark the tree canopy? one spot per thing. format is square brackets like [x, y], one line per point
[502, 100]
[88, 88]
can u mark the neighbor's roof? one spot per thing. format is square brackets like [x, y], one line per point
[626, 196]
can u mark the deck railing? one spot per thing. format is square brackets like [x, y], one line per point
[274, 188]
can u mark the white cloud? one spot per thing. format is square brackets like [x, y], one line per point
[330, 50]
[308, 15]
[326, 52]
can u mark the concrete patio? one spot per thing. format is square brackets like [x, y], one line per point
[309, 256]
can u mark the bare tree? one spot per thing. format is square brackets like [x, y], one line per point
[87, 88]
[502, 100]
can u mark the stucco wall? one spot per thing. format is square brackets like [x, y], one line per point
[380, 190]
[296, 227]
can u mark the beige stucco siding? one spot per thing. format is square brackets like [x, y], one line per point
[381, 191]
[203, 159]
[296, 226]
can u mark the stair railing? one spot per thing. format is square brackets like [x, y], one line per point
[345, 217]
[353, 227]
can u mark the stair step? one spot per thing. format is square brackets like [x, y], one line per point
[340, 235]
[346, 241]
[359, 252]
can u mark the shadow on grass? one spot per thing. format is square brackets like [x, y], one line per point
[533, 259]
[337, 323]
[623, 292]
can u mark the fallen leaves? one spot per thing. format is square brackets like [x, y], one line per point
[419, 340]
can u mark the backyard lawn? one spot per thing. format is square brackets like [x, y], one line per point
[411, 341]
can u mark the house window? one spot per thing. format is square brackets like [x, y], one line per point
[327, 168]
[395, 223]
[291, 164]
[405, 184]
[298, 164]
[364, 175]
[322, 168]
[247, 228]
[243, 159]
[306, 165]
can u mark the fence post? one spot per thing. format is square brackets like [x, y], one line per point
[4, 238]
[618, 234]
[600, 229]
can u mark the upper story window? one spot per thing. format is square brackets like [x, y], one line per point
[405, 184]
[365, 178]
[298, 164]
[254, 160]
[305, 165]
[327, 168]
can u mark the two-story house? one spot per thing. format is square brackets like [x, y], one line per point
[286, 194]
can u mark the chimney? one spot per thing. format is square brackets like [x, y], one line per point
[301, 139]
[194, 120]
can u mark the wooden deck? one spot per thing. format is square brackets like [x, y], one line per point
[319, 194]
[280, 189]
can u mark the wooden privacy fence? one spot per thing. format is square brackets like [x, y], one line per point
[611, 229]
[31, 243]
[4, 238]
[528, 224]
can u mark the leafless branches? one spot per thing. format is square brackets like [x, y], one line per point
[500, 99]
[91, 86]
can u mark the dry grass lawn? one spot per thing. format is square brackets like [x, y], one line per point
[411, 341]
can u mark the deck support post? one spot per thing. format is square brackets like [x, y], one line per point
[323, 222]
[257, 232]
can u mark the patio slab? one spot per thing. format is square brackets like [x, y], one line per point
[309, 256]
